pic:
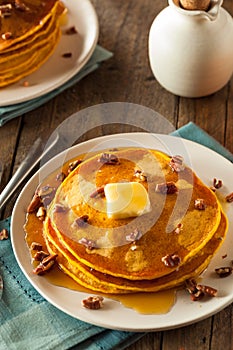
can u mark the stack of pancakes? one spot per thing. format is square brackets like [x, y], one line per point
[29, 33]
[161, 248]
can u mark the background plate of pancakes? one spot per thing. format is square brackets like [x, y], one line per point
[58, 69]
[208, 165]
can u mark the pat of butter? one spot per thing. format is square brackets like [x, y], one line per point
[126, 199]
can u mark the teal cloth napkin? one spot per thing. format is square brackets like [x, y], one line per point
[28, 321]
[9, 112]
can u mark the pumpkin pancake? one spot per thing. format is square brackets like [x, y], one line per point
[146, 246]
[104, 283]
[34, 60]
[29, 34]
[24, 18]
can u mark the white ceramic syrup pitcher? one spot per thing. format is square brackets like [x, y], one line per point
[191, 51]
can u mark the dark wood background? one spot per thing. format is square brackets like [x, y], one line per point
[126, 77]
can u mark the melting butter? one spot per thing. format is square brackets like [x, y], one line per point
[126, 199]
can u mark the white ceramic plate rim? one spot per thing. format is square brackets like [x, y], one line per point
[58, 70]
[207, 165]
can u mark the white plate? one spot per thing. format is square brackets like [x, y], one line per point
[207, 165]
[57, 70]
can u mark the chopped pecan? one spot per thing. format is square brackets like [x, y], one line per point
[40, 255]
[82, 220]
[109, 158]
[45, 191]
[133, 247]
[5, 10]
[191, 286]
[135, 235]
[70, 31]
[67, 55]
[199, 294]
[45, 265]
[36, 246]
[41, 213]
[217, 183]
[98, 191]
[140, 175]
[35, 203]
[6, 36]
[93, 303]
[178, 228]
[74, 165]
[4, 234]
[177, 163]
[199, 204]
[224, 271]
[19, 5]
[166, 187]
[88, 243]
[59, 208]
[171, 260]
[26, 83]
[229, 197]
[61, 176]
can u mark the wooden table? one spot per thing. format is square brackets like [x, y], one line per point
[124, 27]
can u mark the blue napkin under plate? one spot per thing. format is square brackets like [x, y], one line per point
[28, 321]
[9, 112]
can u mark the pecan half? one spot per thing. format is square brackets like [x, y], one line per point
[229, 197]
[224, 271]
[109, 158]
[45, 265]
[93, 303]
[4, 234]
[199, 204]
[171, 260]
[135, 235]
[207, 290]
[166, 187]
[177, 163]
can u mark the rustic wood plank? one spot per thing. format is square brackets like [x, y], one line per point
[127, 77]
